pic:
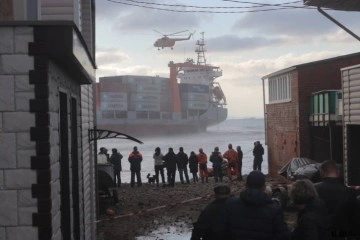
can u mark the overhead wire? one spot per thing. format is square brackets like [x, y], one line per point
[279, 6]
[205, 7]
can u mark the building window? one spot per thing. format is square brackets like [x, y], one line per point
[280, 89]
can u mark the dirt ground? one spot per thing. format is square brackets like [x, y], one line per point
[142, 211]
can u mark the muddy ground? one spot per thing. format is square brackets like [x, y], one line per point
[142, 211]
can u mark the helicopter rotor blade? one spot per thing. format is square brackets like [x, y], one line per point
[178, 32]
[159, 32]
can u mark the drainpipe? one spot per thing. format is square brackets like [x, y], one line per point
[97, 212]
[265, 115]
[330, 139]
[337, 23]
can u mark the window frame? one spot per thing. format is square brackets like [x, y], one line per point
[280, 88]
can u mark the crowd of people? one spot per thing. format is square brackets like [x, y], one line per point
[327, 210]
[198, 164]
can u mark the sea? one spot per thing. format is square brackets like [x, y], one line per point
[238, 132]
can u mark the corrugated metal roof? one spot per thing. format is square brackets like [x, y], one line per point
[342, 5]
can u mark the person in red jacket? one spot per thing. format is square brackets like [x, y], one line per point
[202, 159]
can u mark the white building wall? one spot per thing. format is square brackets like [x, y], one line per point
[16, 147]
[87, 121]
[61, 10]
[351, 104]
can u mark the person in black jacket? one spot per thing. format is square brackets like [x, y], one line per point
[170, 164]
[240, 157]
[209, 224]
[313, 221]
[216, 159]
[339, 200]
[115, 160]
[194, 166]
[258, 153]
[182, 162]
[135, 159]
[254, 215]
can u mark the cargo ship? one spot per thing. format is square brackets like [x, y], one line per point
[190, 100]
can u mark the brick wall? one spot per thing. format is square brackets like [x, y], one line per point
[16, 176]
[282, 126]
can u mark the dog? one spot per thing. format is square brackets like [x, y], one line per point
[151, 179]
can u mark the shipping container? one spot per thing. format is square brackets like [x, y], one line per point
[109, 86]
[194, 88]
[113, 97]
[145, 97]
[121, 114]
[196, 104]
[113, 79]
[144, 106]
[191, 96]
[107, 114]
[121, 106]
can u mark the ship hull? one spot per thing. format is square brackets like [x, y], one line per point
[166, 126]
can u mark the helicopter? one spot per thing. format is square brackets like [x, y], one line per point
[166, 41]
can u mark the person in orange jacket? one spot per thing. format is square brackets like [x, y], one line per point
[202, 159]
[232, 157]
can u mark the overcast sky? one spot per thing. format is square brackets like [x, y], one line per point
[246, 45]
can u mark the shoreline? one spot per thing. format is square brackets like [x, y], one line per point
[154, 212]
[144, 210]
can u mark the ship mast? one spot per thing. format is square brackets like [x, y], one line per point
[200, 50]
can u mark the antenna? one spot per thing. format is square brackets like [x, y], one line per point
[200, 50]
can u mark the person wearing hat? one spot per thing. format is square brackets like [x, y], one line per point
[115, 160]
[254, 215]
[210, 224]
[135, 159]
[313, 220]
[103, 157]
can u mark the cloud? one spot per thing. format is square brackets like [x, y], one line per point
[165, 22]
[233, 42]
[300, 23]
[110, 57]
[249, 72]
[340, 36]
[107, 10]
[113, 62]
[130, 19]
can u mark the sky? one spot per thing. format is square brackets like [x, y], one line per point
[246, 45]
